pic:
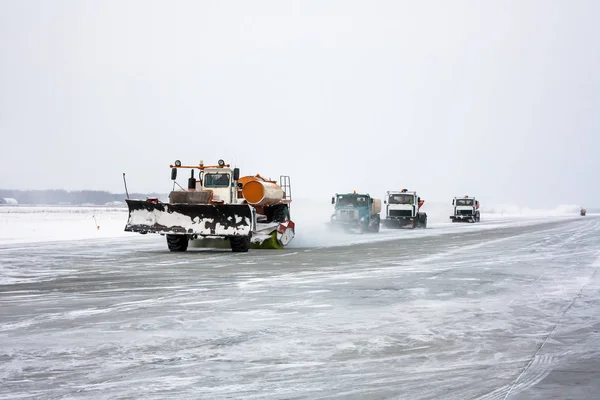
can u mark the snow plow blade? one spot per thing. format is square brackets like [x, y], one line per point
[224, 220]
[399, 223]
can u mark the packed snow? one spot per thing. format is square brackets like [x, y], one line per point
[497, 314]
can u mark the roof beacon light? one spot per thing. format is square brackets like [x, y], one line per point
[221, 163]
[201, 163]
[177, 163]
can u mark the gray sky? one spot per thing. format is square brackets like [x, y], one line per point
[499, 99]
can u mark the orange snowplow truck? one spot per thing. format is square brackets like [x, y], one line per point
[249, 211]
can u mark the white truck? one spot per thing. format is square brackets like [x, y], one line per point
[466, 209]
[403, 210]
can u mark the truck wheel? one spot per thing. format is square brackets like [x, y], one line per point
[424, 223]
[376, 224]
[240, 244]
[177, 242]
[280, 213]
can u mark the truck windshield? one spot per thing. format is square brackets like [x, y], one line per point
[402, 199]
[216, 180]
[354, 201]
[464, 202]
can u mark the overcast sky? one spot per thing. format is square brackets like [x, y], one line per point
[499, 99]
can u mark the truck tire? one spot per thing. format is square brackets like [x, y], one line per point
[240, 244]
[280, 213]
[177, 242]
[376, 224]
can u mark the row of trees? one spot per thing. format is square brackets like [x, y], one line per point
[52, 197]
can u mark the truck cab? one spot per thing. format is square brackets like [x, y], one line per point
[215, 184]
[220, 182]
[403, 210]
[355, 210]
[466, 209]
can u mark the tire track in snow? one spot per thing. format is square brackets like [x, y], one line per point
[519, 385]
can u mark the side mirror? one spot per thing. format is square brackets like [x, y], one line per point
[236, 174]
[371, 200]
[173, 174]
[333, 200]
[452, 202]
[385, 202]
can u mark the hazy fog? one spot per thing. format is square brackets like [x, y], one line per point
[498, 99]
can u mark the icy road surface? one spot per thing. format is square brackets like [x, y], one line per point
[490, 311]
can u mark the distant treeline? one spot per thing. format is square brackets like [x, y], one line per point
[64, 197]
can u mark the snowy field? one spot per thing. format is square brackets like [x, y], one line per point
[504, 309]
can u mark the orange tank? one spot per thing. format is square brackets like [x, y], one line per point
[261, 192]
[376, 209]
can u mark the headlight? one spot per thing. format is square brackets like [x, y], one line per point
[177, 163]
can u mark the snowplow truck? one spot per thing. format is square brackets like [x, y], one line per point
[403, 210]
[582, 212]
[466, 209]
[249, 211]
[355, 212]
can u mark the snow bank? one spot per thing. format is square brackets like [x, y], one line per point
[516, 210]
[24, 224]
[8, 200]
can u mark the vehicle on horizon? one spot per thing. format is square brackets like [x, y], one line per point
[218, 205]
[466, 209]
[356, 212]
[582, 212]
[403, 210]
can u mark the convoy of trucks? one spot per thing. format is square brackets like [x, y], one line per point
[254, 212]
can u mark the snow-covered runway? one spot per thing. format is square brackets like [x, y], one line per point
[504, 309]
